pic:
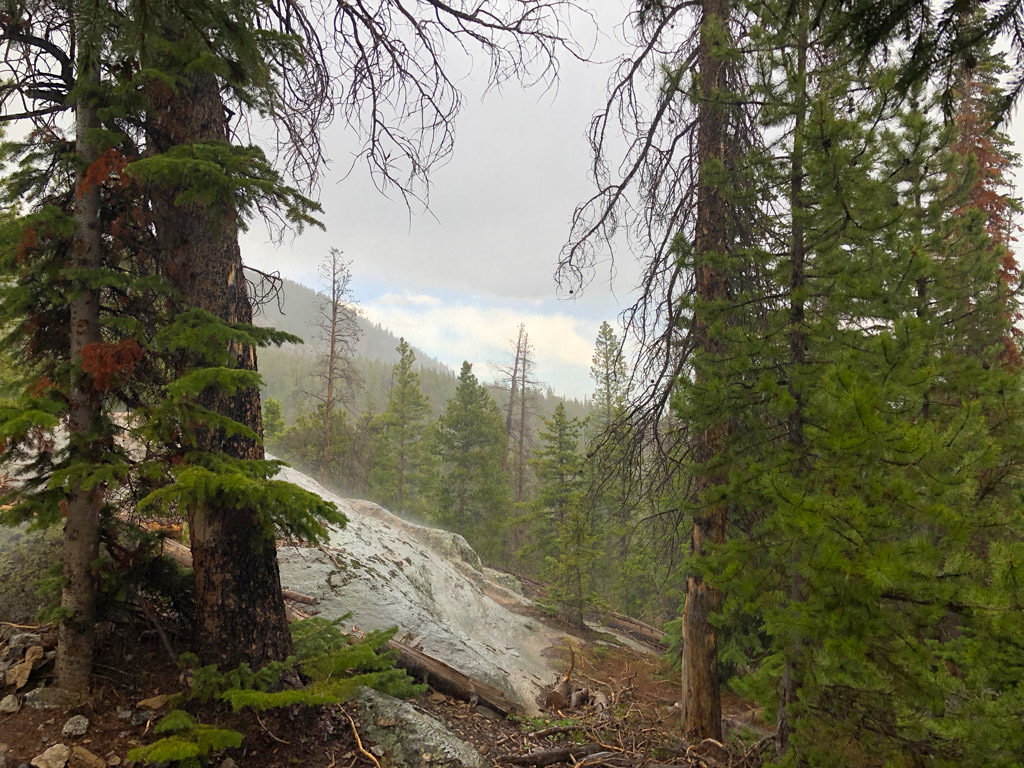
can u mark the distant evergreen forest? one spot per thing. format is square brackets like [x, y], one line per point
[290, 372]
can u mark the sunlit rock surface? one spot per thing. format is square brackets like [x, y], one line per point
[387, 572]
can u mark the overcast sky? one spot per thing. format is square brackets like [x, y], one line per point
[457, 281]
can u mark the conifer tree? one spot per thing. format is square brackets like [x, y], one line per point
[562, 526]
[608, 371]
[473, 495]
[399, 477]
[876, 449]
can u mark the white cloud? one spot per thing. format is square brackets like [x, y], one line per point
[409, 300]
[483, 334]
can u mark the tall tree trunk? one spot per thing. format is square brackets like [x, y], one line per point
[332, 363]
[521, 458]
[790, 683]
[701, 699]
[81, 526]
[241, 615]
[512, 397]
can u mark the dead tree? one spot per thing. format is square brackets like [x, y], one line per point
[339, 332]
[521, 388]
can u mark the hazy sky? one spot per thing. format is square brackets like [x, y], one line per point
[457, 281]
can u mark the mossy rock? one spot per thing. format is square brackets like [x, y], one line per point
[25, 558]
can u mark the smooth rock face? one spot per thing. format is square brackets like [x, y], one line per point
[56, 756]
[386, 571]
[75, 727]
[411, 738]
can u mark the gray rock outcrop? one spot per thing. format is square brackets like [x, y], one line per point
[386, 571]
[25, 557]
[411, 738]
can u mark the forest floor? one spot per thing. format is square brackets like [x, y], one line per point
[640, 728]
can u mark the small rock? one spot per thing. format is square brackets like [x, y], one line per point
[19, 674]
[52, 698]
[75, 727]
[83, 758]
[228, 763]
[18, 643]
[489, 713]
[55, 757]
[9, 704]
[141, 718]
[154, 702]
[113, 760]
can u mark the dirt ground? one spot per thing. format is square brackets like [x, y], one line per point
[639, 728]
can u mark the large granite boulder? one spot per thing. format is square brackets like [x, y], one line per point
[385, 571]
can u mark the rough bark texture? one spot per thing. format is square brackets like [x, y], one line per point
[241, 616]
[82, 509]
[701, 699]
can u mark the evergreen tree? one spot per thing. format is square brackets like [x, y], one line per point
[608, 371]
[872, 442]
[562, 526]
[273, 421]
[399, 478]
[142, 345]
[473, 495]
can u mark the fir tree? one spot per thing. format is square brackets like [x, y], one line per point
[562, 526]
[473, 495]
[399, 477]
[608, 372]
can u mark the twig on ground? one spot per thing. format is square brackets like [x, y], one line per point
[359, 742]
[268, 732]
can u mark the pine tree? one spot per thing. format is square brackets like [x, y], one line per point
[473, 495]
[871, 448]
[608, 372]
[399, 477]
[562, 526]
[140, 342]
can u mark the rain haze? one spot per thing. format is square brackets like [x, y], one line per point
[458, 278]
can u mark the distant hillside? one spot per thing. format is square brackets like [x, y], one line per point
[297, 315]
[290, 373]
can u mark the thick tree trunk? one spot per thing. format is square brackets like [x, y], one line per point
[241, 616]
[81, 526]
[701, 699]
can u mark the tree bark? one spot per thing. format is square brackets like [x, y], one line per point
[790, 683]
[76, 634]
[241, 615]
[701, 699]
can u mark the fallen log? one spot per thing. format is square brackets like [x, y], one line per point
[450, 680]
[542, 757]
[298, 597]
[638, 629]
